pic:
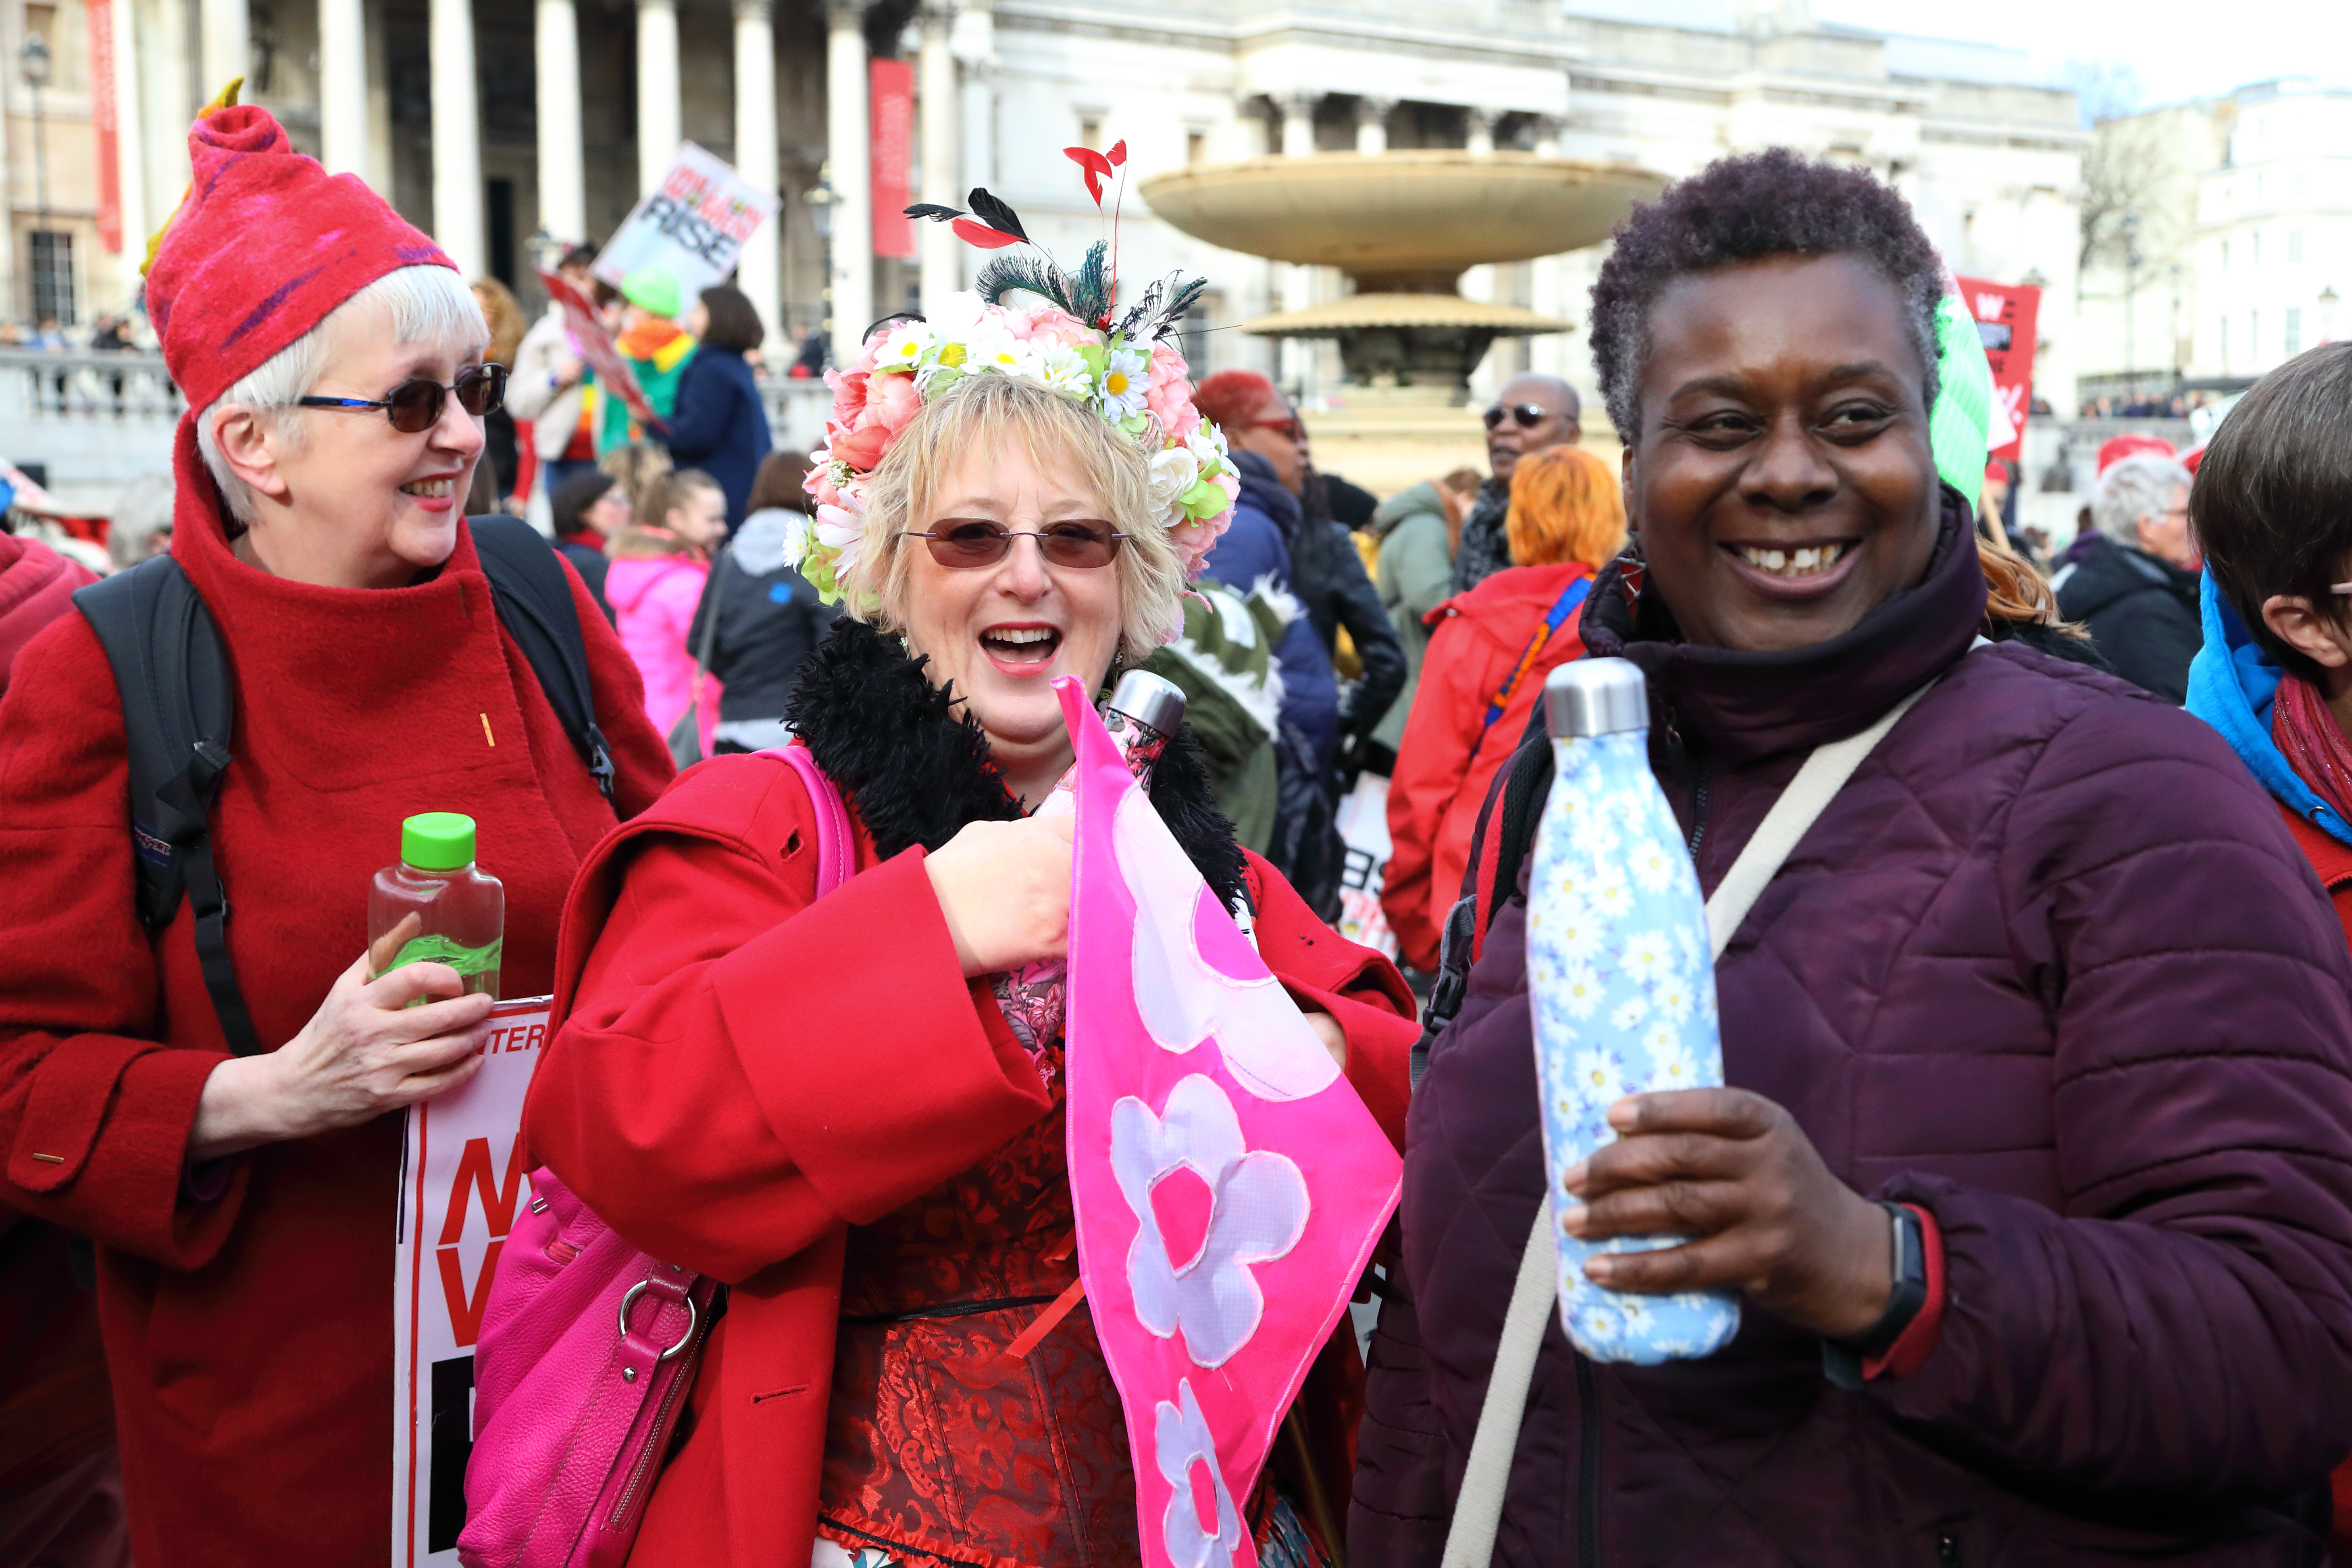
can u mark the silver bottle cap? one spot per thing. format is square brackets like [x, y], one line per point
[1595, 697]
[1151, 701]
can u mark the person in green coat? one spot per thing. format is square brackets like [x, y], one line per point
[656, 348]
[1416, 530]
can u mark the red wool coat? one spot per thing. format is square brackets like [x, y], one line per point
[739, 1074]
[250, 1336]
[1444, 766]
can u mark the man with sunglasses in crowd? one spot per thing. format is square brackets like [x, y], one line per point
[1534, 412]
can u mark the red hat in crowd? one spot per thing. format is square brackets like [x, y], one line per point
[2115, 449]
[2194, 456]
[264, 245]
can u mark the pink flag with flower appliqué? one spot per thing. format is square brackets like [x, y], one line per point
[1230, 1186]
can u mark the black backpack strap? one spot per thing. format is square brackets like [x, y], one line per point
[1513, 806]
[178, 712]
[536, 606]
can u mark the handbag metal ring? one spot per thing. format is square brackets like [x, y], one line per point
[630, 1300]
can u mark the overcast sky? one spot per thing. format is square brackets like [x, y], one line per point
[2174, 48]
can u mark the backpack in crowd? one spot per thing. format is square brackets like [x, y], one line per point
[172, 673]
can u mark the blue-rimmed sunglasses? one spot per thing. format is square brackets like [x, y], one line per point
[415, 406]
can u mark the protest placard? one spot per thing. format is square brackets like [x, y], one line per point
[614, 377]
[461, 1182]
[692, 225]
[2006, 316]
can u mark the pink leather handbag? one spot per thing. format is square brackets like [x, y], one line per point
[587, 1351]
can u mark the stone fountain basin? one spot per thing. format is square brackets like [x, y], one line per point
[1408, 221]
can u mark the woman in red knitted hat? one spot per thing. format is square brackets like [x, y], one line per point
[332, 359]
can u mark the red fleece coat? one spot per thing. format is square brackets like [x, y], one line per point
[36, 586]
[739, 1074]
[250, 1335]
[1442, 765]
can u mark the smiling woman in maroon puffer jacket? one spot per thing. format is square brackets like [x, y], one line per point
[2048, 975]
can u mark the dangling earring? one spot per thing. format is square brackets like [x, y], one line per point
[1632, 569]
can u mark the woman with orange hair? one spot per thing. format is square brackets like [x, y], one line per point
[1488, 654]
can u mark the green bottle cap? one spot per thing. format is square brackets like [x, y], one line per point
[437, 841]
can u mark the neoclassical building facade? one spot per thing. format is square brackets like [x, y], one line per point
[495, 124]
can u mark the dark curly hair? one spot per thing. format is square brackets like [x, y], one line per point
[1747, 208]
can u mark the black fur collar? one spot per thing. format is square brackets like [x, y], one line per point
[916, 773]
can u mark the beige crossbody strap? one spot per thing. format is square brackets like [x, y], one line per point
[1478, 1507]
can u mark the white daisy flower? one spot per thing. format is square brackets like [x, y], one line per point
[989, 347]
[1600, 1076]
[1613, 900]
[1662, 1039]
[906, 346]
[1672, 1066]
[1579, 991]
[1629, 1015]
[1126, 377]
[1673, 996]
[1651, 864]
[1645, 957]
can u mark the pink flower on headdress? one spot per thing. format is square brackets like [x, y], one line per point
[891, 400]
[819, 483]
[849, 394]
[1193, 540]
[863, 447]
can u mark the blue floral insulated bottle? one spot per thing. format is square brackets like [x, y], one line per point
[1622, 979]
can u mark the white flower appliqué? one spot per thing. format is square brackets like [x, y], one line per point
[1257, 1207]
[1181, 1439]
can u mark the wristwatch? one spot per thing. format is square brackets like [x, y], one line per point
[1842, 1360]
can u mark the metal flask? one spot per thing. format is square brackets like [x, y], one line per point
[1621, 985]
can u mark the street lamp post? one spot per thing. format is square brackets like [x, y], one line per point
[33, 63]
[821, 201]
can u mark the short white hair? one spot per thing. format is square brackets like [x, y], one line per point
[2135, 487]
[427, 305]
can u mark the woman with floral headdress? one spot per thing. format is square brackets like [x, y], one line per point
[846, 1108]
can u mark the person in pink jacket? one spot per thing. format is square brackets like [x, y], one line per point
[658, 571]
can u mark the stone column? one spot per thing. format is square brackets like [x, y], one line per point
[1548, 278]
[760, 270]
[975, 51]
[935, 243]
[456, 137]
[1297, 123]
[562, 161]
[129, 153]
[225, 46]
[343, 87]
[1482, 131]
[659, 117]
[850, 131]
[1372, 123]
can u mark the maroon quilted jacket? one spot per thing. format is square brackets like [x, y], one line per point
[2048, 966]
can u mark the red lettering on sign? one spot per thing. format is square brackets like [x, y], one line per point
[498, 1197]
[465, 1313]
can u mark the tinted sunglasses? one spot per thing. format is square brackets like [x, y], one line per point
[965, 544]
[1290, 428]
[415, 406]
[1529, 414]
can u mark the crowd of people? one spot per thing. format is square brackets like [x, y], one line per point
[2033, 1162]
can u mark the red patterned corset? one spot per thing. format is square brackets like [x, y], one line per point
[939, 1448]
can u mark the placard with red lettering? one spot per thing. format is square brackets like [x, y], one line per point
[693, 225]
[2005, 316]
[461, 1185]
[596, 346]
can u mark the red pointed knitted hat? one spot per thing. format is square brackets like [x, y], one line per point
[264, 245]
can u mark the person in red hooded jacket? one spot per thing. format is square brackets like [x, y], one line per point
[1487, 657]
[36, 586]
[332, 359]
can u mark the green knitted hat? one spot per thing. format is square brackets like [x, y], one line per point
[657, 289]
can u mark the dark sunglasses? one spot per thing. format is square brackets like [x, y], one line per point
[1529, 414]
[965, 544]
[1291, 428]
[415, 406]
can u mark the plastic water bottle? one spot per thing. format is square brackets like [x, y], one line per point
[1622, 979]
[434, 906]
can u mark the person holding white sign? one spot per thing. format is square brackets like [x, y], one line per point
[215, 1095]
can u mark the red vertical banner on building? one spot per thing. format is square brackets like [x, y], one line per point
[892, 95]
[103, 119]
[2005, 315]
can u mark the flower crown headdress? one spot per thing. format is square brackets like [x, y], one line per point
[1072, 339]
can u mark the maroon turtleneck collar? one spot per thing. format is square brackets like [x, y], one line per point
[1744, 706]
